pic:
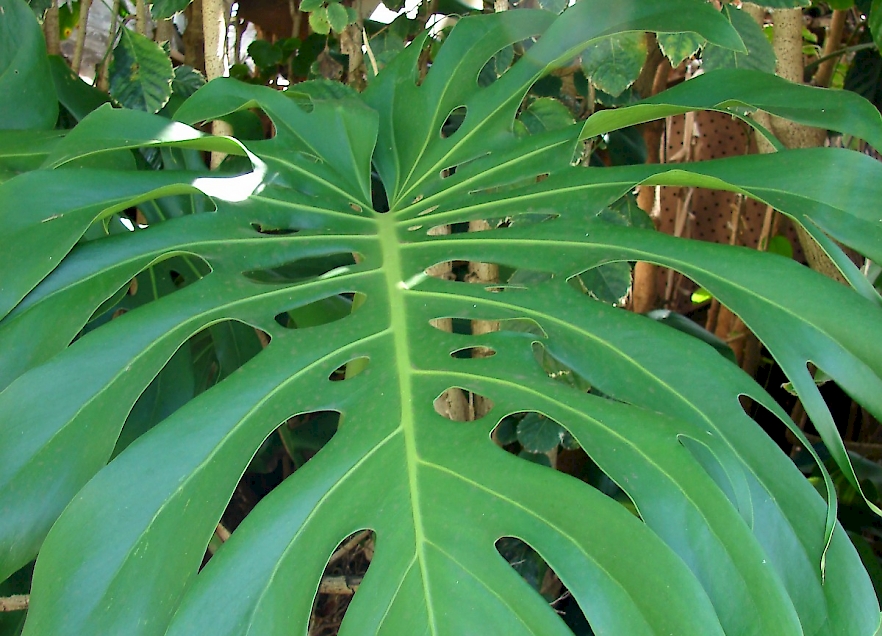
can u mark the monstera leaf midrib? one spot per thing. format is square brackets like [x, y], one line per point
[399, 329]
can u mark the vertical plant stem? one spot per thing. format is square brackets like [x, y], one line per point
[644, 290]
[296, 18]
[101, 80]
[50, 29]
[194, 43]
[729, 327]
[351, 45]
[831, 43]
[370, 53]
[239, 29]
[141, 19]
[788, 48]
[214, 25]
[164, 32]
[85, 5]
[766, 231]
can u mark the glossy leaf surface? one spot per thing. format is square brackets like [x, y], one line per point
[25, 83]
[730, 537]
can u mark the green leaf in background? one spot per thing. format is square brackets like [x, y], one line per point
[68, 18]
[187, 80]
[319, 22]
[141, 73]
[264, 53]
[78, 97]
[338, 17]
[874, 23]
[507, 431]
[780, 244]
[840, 4]
[614, 63]
[308, 94]
[679, 46]
[27, 94]
[545, 114]
[170, 390]
[162, 9]
[39, 6]
[682, 323]
[864, 75]
[539, 434]
[625, 211]
[386, 45]
[608, 283]
[738, 92]
[759, 56]
[22, 151]
[700, 295]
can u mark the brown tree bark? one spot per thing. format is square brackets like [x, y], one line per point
[644, 289]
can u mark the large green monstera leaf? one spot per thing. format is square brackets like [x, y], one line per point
[326, 239]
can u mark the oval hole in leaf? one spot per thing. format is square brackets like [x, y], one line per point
[496, 66]
[538, 433]
[452, 325]
[556, 369]
[511, 185]
[157, 281]
[319, 312]
[160, 279]
[536, 572]
[473, 352]
[453, 121]
[200, 363]
[294, 442]
[523, 325]
[286, 449]
[608, 282]
[346, 568]
[303, 269]
[349, 370]
[305, 435]
[162, 209]
[529, 218]
[260, 228]
[464, 325]
[458, 404]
